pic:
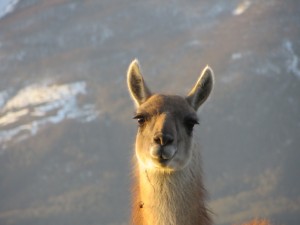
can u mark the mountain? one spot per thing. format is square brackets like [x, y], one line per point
[66, 134]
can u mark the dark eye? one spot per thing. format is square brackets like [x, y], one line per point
[189, 124]
[140, 119]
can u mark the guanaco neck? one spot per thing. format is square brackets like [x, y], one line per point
[170, 198]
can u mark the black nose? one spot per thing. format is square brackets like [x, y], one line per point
[163, 139]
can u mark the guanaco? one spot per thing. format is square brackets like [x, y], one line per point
[168, 187]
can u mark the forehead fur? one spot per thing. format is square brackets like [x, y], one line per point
[158, 104]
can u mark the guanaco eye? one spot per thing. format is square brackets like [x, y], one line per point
[140, 119]
[190, 123]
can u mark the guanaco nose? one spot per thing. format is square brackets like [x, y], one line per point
[163, 139]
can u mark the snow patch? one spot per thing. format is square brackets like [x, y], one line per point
[193, 43]
[34, 107]
[236, 56]
[267, 68]
[7, 6]
[241, 8]
[240, 55]
[292, 62]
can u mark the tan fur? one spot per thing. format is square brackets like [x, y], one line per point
[257, 222]
[168, 188]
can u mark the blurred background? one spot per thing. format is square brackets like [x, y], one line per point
[66, 134]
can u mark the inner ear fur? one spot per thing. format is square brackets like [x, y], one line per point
[202, 89]
[136, 84]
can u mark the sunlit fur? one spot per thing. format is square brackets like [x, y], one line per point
[170, 198]
[167, 188]
[257, 222]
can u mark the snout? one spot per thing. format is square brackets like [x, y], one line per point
[162, 153]
[163, 148]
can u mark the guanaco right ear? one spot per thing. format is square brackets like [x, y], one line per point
[136, 85]
[202, 88]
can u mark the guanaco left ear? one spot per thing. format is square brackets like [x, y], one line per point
[136, 84]
[202, 88]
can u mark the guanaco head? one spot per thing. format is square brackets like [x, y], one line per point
[165, 122]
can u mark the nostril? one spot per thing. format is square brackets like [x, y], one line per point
[157, 140]
[168, 139]
[163, 139]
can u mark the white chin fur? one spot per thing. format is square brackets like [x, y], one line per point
[176, 162]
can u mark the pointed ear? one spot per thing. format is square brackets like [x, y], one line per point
[202, 88]
[136, 85]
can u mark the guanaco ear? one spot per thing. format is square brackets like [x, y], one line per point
[136, 85]
[202, 88]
